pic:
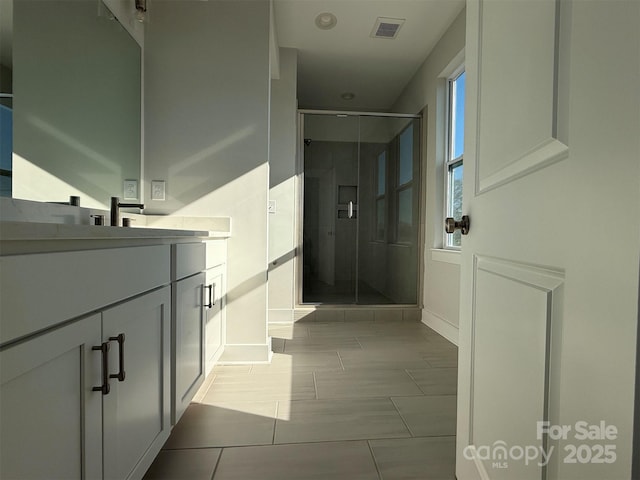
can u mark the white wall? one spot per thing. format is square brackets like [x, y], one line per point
[427, 90]
[282, 189]
[207, 84]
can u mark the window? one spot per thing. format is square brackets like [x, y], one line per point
[381, 190]
[455, 154]
[404, 189]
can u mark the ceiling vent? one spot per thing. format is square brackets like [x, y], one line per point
[387, 27]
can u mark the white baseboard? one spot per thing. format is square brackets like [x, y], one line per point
[239, 354]
[440, 325]
[280, 315]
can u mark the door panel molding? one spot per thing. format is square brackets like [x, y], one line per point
[530, 58]
[548, 152]
[539, 290]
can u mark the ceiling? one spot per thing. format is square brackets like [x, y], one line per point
[347, 59]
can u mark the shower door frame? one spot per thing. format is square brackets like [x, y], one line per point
[299, 255]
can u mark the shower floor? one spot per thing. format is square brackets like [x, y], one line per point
[316, 291]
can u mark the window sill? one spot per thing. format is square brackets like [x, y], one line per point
[445, 255]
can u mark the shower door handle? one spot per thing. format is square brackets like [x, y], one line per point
[350, 210]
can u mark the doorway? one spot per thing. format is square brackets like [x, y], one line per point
[360, 208]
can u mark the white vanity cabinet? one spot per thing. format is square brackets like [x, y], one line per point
[187, 287]
[104, 341]
[84, 384]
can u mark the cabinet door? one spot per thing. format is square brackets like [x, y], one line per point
[50, 418]
[214, 317]
[137, 411]
[189, 341]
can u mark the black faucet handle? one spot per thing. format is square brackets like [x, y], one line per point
[131, 205]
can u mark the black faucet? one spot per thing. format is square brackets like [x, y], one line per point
[115, 209]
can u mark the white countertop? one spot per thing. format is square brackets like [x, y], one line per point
[25, 231]
[33, 227]
[33, 237]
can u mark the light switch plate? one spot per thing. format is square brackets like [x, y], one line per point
[272, 206]
[130, 190]
[158, 190]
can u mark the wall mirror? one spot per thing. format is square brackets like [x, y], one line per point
[72, 98]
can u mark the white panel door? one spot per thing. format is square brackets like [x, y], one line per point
[549, 274]
[50, 416]
[213, 317]
[189, 366]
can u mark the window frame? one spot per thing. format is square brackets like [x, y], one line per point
[398, 188]
[450, 162]
[381, 196]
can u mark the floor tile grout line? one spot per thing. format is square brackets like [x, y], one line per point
[373, 457]
[255, 445]
[406, 425]
[315, 385]
[365, 397]
[320, 442]
[215, 467]
[416, 382]
[275, 423]
[340, 359]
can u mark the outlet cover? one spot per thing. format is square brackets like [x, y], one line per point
[130, 191]
[158, 190]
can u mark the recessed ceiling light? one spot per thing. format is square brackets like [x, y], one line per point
[348, 96]
[326, 21]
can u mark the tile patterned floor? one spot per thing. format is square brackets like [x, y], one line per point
[373, 399]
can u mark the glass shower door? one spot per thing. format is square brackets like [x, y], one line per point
[330, 209]
[360, 211]
[388, 225]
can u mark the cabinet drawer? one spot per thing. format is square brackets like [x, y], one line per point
[42, 290]
[187, 259]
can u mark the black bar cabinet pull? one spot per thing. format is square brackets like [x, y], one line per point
[212, 289]
[105, 387]
[120, 339]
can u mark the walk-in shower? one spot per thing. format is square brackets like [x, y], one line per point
[360, 208]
